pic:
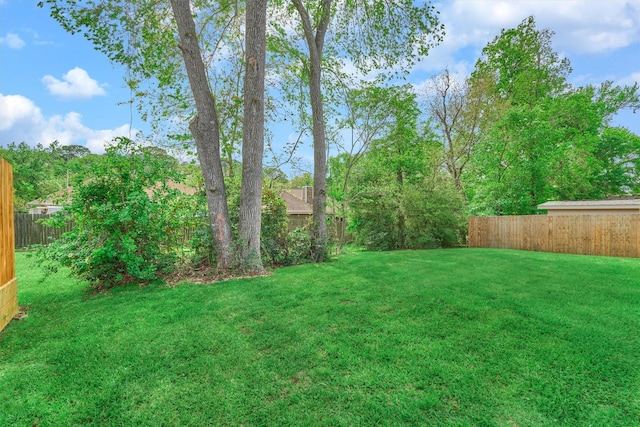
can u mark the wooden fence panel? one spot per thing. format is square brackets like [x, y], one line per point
[8, 282]
[29, 230]
[607, 235]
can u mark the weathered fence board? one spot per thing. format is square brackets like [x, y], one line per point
[8, 282]
[607, 235]
[29, 230]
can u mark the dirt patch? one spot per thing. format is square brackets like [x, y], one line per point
[23, 312]
[206, 275]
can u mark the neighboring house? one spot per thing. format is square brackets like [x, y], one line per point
[299, 202]
[172, 185]
[52, 204]
[621, 206]
[43, 207]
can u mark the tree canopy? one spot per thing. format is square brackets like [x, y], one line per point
[404, 169]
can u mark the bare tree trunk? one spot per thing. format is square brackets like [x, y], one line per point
[253, 135]
[319, 227]
[315, 43]
[206, 133]
[402, 240]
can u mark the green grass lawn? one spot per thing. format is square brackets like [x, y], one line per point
[443, 337]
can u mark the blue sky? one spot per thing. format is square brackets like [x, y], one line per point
[54, 86]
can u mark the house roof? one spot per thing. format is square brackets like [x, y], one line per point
[295, 205]
[592, 204]
[56, 199]
[183, 188]
[64, 196]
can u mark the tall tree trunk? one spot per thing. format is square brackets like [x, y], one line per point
[402, 240]
[206, 133]
[319, 225]
[315, 43]
[253, 135]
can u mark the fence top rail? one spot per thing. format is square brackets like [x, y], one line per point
[556, 216]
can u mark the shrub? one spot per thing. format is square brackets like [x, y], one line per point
[434, 216]
[274, 229]
[422, 214]
[279, 246]
[127, 221]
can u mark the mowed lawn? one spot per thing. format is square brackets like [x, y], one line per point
[442, 337]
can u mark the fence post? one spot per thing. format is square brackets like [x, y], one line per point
[8, 281]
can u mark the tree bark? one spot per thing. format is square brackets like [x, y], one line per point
[319, 225]
[206, 132]
[253, 135]
[402, 240]
[315, 43]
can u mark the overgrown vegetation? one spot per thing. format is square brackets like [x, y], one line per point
[133, 224]
[440, 338]
[127, 220]
[511, 136]
[279, 245]
[542, 138]
[399, 197]
[40, 172]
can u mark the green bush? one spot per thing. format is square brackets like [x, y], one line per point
[376, 218]
[274, 229]
[278, 245]
[433, 216]
[128, 223]
[422, 214]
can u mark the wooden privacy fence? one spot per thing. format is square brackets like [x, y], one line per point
[8, 282]
[29, 230]
[608, 235]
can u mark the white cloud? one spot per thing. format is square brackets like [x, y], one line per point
[36, 38]
[13, 41]
[22, 120]
[76, 85]
[630, 80]
[580, 26]
[15, 108]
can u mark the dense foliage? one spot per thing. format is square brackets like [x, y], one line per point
[513, 135]
[127, 220]
[546, 139]
[400, 197]
[134, 222]
[279, 245]
[39, 172]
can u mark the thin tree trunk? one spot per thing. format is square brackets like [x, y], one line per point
[253, 135]
[401, 220]
[206, 132]
[315, 43]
